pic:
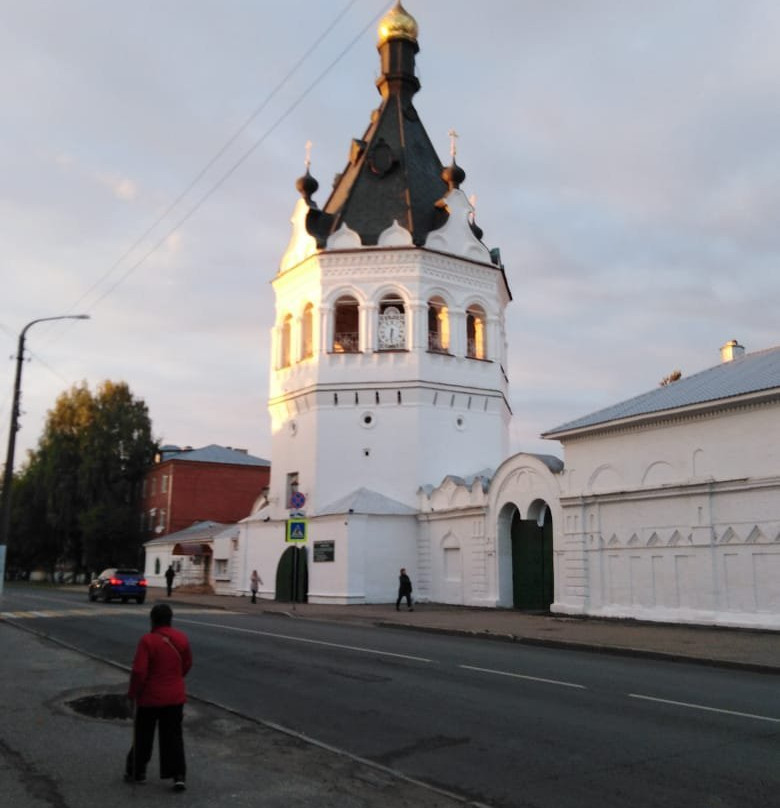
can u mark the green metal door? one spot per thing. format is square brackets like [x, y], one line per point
[292, 576]
[532, 564]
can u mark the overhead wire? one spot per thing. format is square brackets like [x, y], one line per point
[220, 152]
[244, 157]
[209, 165]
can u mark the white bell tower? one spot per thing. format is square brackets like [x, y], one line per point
[388, 367]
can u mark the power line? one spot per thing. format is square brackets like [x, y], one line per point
[176, 202]
[231, 140]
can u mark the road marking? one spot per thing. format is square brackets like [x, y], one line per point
[94, 611]
[64, 613]
[524, 676]
[703, 707]
[307, 640]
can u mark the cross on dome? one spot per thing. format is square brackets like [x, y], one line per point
[453, 143]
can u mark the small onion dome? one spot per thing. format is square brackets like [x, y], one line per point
[476, 229]
[453, 175]
[398, 23]
[307, 185]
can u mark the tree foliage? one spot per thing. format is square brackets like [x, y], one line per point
[76, 502]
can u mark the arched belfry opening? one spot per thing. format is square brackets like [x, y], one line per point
[525, 557]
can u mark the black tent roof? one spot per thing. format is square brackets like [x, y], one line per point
[393, 173]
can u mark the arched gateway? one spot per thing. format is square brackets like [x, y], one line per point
[525, 500]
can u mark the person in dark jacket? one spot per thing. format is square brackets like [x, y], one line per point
[162, 659]
[404, 590]
[169, 576]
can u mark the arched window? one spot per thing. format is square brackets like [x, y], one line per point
[307, 332]
[286, 336]
[438, 326]
[476, 336]
[391, 324]
[346, 325]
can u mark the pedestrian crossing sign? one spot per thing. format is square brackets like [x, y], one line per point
[296, 529]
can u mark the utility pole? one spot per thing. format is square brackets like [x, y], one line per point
[8, 474]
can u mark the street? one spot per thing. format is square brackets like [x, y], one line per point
[506, 725]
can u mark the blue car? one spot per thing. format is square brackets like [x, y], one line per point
[118, 583]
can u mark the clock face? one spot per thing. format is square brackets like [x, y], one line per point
[391, 329]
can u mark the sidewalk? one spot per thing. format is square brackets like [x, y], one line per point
[54, 756]
[727, 647]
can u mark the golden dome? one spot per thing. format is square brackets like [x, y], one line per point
[398, 23]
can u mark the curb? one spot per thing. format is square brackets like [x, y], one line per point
[593, 648]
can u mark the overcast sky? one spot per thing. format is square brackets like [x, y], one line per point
[625, 156]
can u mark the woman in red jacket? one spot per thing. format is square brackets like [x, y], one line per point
[162, 660]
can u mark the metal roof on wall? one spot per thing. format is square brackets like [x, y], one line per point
[751, 373]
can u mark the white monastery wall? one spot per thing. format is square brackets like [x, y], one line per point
[679, 522]
[722, 445]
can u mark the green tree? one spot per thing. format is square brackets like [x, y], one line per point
[85, 479]
[117, 449]
[34, 541]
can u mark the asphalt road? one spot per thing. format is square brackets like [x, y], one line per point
[508, 725]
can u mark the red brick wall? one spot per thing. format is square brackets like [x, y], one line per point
[198, 491]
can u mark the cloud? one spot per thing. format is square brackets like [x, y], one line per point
[626, 157]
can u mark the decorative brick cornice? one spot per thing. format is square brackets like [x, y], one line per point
[694, 487]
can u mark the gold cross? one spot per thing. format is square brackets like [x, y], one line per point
[453, 145]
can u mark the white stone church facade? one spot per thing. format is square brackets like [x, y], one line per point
[390, 420]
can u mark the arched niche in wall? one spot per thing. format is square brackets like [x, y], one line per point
[658, 473]
[307, 331]
[605, 478]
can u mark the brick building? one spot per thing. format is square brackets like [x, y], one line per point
[188, 485]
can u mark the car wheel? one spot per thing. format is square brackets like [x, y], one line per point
[106, 597]
[140, 600]
[124, 600]
[91, 596]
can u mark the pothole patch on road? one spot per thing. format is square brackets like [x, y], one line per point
[105, 706]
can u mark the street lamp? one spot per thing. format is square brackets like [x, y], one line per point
[8, 475]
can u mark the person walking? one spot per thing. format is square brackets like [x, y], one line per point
[254, 584]
[170, 574]
[404, 591]
[162, 659]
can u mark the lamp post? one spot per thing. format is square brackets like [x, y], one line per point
[8, 475]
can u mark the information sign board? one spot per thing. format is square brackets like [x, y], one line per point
[324, 551]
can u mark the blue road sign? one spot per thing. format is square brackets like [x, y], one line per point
[296, 529]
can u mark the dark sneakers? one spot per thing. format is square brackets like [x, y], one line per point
[179, 785]
[140, 779]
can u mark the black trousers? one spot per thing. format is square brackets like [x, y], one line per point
[170, 738]
[401, 596]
